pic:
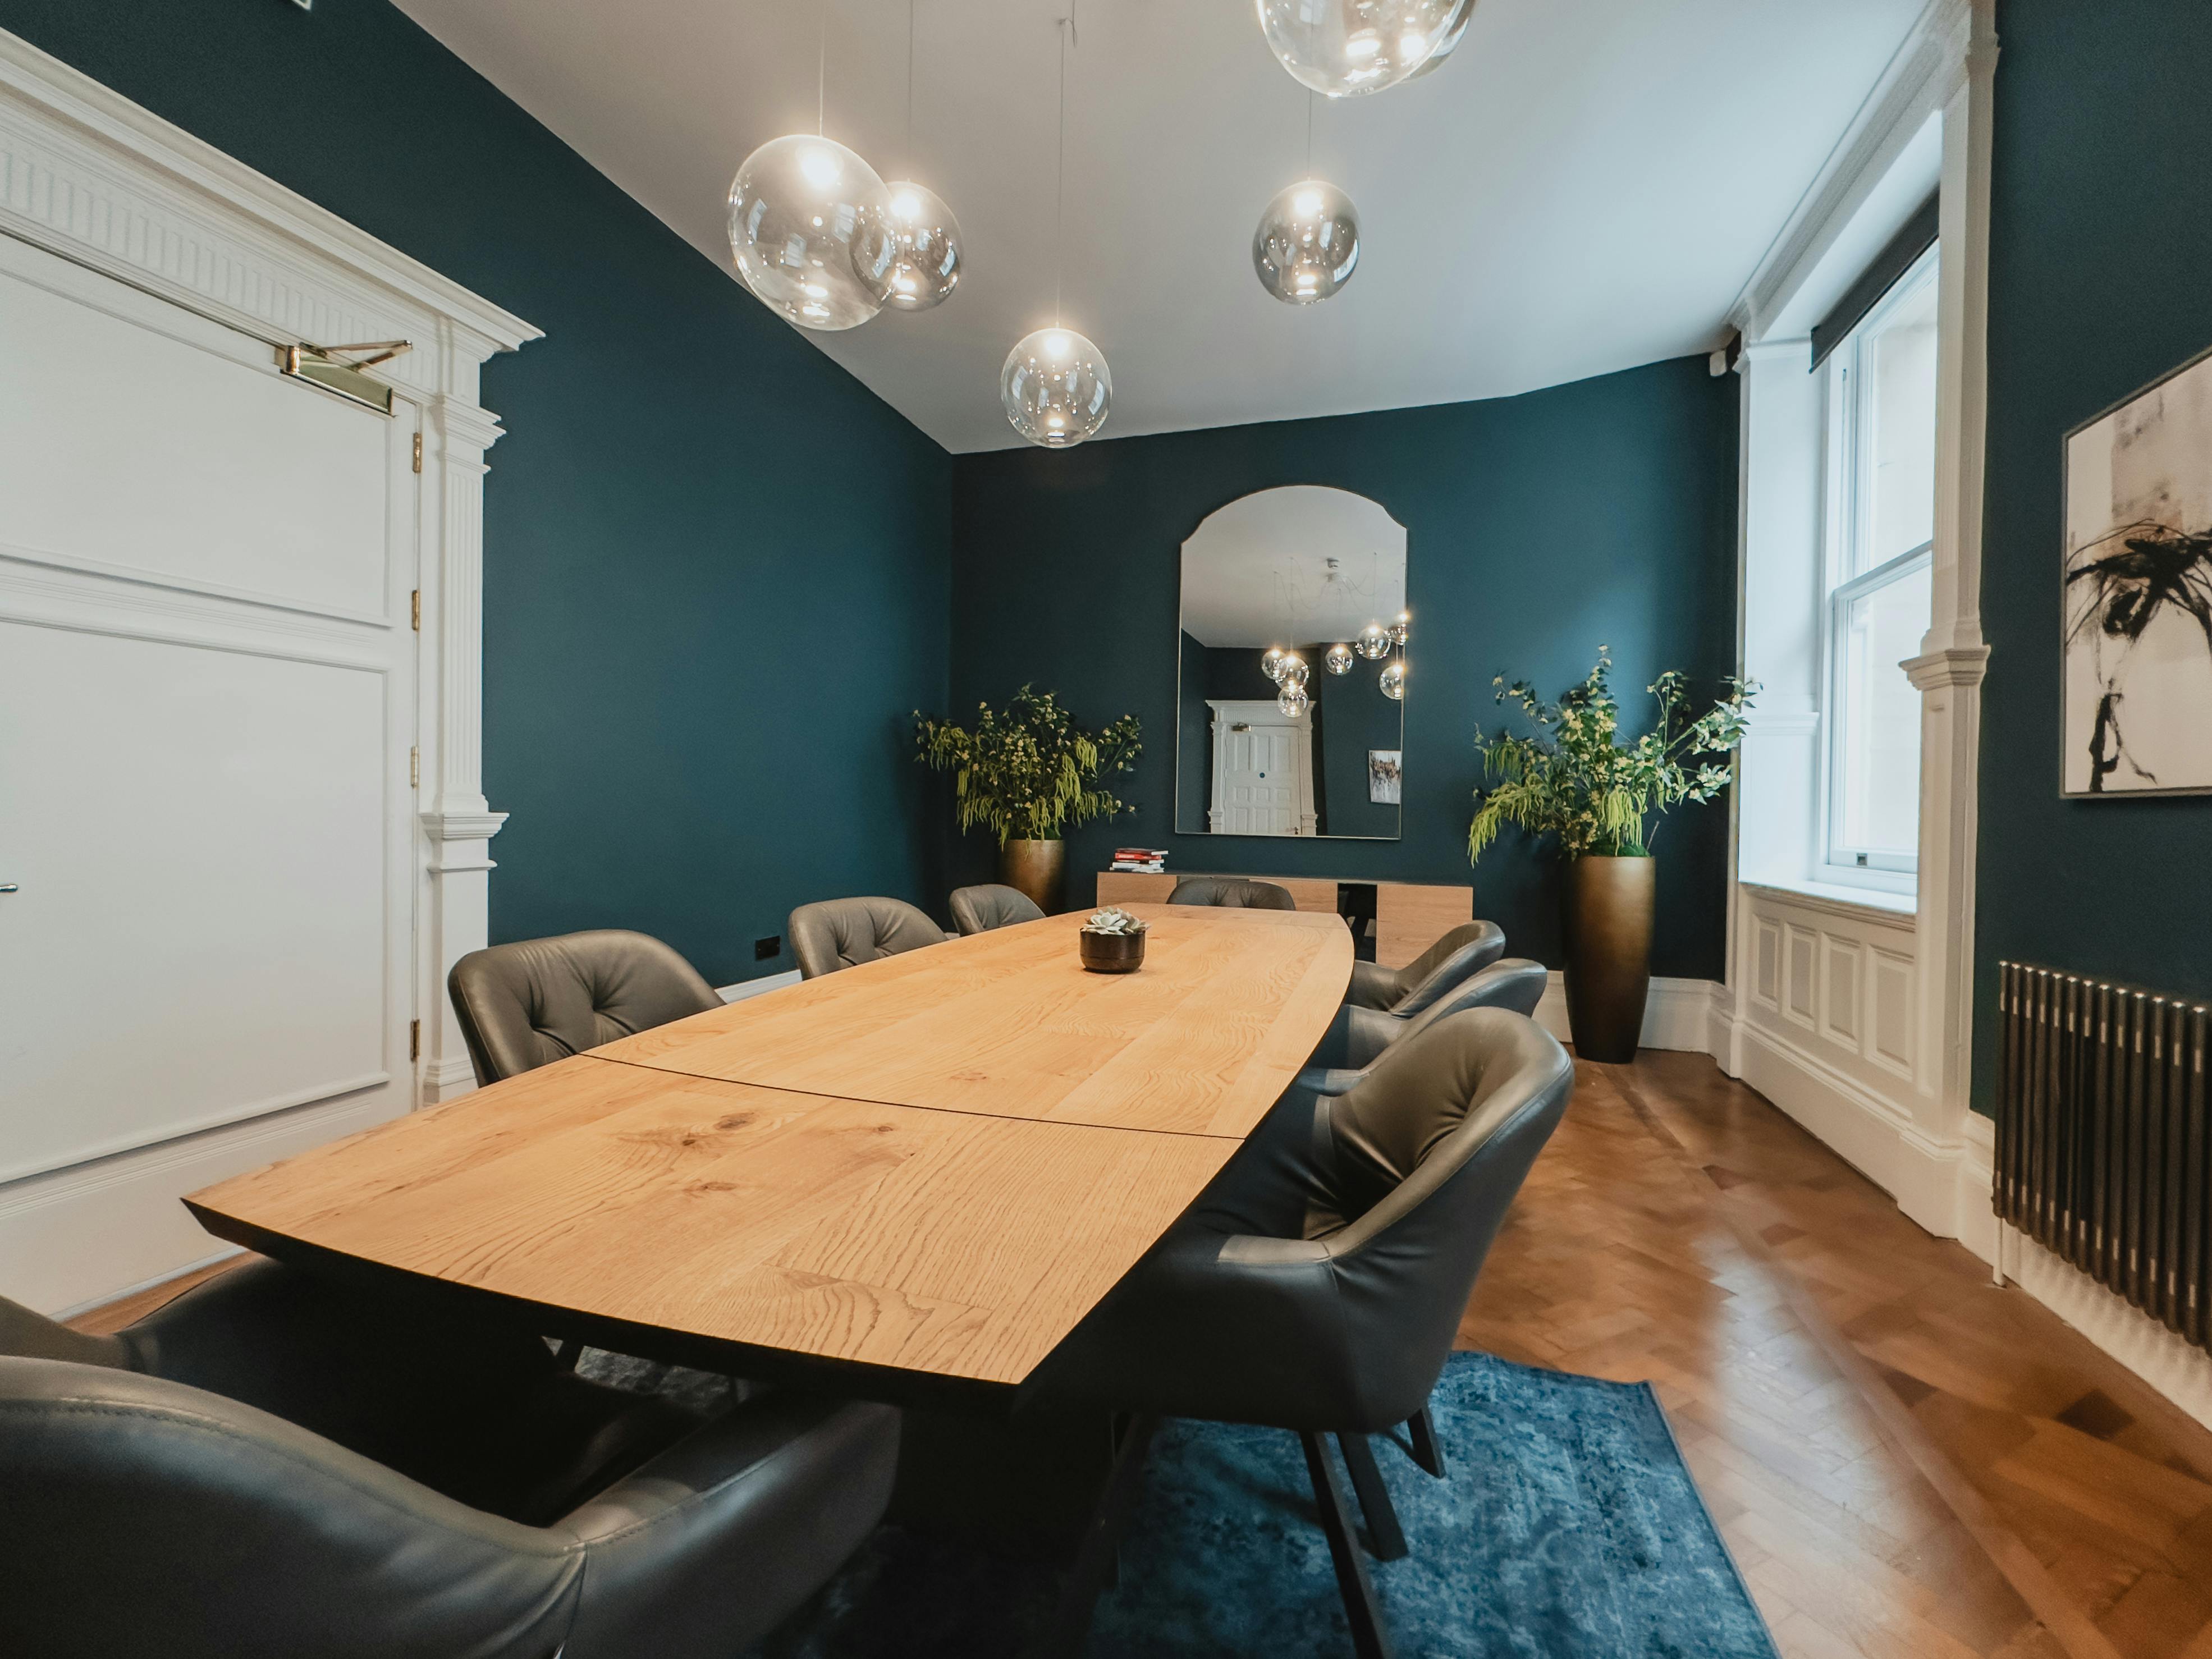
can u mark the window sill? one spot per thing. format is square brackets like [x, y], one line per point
[1860, 903]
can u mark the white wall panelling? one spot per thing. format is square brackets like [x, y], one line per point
[264, 583]
[1852, 1017]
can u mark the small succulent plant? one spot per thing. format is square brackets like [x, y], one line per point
[1116, 921]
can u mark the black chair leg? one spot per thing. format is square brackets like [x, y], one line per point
[1428, 1451]
[1369, 1639]
[1096, 1561]
[568, 1353]
[1384, 1536]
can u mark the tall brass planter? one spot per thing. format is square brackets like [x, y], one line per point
[1607, 916]
[1035, 868]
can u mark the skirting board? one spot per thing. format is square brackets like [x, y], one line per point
[2178, 1370]
[1675, 1017]
[753, 988]
[80, 1236]
[1942, 1187]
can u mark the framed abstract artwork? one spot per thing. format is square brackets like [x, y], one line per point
[1386, 776]
[2136, 647]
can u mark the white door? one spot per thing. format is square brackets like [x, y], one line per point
[1259, 763]
[206, 812]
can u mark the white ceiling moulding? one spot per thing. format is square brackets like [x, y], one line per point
[1881, 169]
[89, 175]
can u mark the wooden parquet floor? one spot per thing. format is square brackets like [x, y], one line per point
[1907, 1460]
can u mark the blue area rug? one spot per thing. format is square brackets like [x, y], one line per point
[1568, 1527]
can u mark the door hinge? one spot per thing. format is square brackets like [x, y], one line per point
[414, 768]
[414, 1039]
[418, 451]
[414, 609]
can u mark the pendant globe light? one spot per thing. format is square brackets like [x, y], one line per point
[1055, 385]
[1452, 34]
[917, 241]
[1308, 241]
[1345, 48]
[800, 211]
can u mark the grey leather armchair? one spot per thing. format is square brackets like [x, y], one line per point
[1358, 1037]
[845, 932]
[529, 1004]
[1457, 956]
[1232, 892]
[1317, 1284]
[271, 1465]
[979, 909]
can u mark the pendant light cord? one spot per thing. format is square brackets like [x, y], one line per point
[909, 85]
[1309, 106]
[1060, 197]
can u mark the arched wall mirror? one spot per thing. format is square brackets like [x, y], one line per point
[1317, 575]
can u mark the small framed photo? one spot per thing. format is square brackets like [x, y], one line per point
[2136, 645]
[1384, 775]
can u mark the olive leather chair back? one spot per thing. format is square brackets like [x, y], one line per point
[1449, 962]
[845, 932]
[531, 1003]
[979, 909]
[1360, 1037]
[1232, 892]
[272, 1467]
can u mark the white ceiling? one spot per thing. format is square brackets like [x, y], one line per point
[1258, 571]
[1585, 186]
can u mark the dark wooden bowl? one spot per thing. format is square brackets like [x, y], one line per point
[1111, 953]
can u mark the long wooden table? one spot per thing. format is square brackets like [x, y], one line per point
[925, 1169]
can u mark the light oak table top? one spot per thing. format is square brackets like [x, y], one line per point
[1202, 1040]
[1060, 1123]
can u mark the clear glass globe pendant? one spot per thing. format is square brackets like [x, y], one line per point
[1453, 32]
[1272, 661]
[1293, 700]
[917, 244]
[1374, 641]
[1343, 48]
[1338, 659]
[1307, 243]
[800, 213]
[1055, 388]
[1394, 680]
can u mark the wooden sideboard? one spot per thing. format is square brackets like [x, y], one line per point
[1408, 916]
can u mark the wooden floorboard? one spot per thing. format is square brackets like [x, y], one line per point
[1906, 1459]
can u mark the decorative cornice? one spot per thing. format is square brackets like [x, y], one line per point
[1957, 664]
[1917, 82]
[89, 174]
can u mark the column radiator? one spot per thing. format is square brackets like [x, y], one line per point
[2102, 1155]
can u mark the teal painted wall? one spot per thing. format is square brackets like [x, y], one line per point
[715, 565]
[2100, 237]
[1537, 527]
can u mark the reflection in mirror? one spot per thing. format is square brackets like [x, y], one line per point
[1294, 633]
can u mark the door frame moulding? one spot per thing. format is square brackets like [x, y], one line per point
[1917, 1135]
[89, 176]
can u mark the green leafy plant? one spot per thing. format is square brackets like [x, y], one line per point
[1027, 772]
[1576, 779]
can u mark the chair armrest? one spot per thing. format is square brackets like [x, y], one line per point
[1329, 1079]
[1373, 987]
[1366, 1035]
[710, 1544]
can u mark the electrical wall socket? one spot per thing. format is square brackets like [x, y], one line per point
[767, 950]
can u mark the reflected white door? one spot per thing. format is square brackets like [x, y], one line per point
[1260, 766]
[206, 713]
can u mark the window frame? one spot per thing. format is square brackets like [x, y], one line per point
[1844, 546]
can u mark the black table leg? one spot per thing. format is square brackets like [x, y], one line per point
[1095, 1562]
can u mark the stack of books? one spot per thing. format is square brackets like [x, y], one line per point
[1145, 860]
